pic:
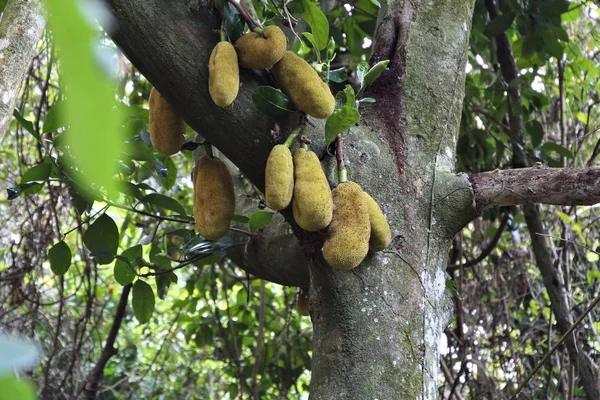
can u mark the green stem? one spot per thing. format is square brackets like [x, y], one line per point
[223, 35]
[304, 146]
[290, 139]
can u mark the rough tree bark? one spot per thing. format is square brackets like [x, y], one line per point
[377, 328]
[20, 30]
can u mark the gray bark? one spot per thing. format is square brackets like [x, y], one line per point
[20, 30]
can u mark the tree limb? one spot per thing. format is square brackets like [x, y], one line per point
[92, 381]
[20, 30]
[559, 186]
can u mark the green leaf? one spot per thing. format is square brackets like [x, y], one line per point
[15, 388]
[338, 75]
[234, 25]
[55, 118]
[143, 301]
[59, 256]
[361, 71]
[272, 101]
[167, 181]
[259, 220]
[552, 45]
[95, 133]
[319, 26]
[373, 74]
[536, 131]
[126, 265]
[350, 96]
[242, 219]
[2, 5]
[549, 148]
[341, 119]
[310, 40]
[38, 173]
[499, 25]
[26, 124]
[102, 239]
[162, 201]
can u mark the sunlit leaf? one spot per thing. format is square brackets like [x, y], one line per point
[317, 21]
[341, 119]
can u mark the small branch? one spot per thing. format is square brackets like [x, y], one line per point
[486, 252]
[245, 16]
[93, 379]
[559, 186]
[339, 157]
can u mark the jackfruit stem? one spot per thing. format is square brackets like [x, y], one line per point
[208, 149]
[339, 156]
[244, 13]
[304, 146]
[259, 31]
[290, 139]
[223, 33]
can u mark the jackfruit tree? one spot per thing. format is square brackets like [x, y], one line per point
[360, 152]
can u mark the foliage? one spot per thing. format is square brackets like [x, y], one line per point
[197, 323]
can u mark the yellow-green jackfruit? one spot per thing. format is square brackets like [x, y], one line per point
[381, 235]
[214, 199]
[303, 303]
[296, 78]
[279, 178]
[258, 51]
[223, 74]
[312, 205]
[167, 129]
[347, 242]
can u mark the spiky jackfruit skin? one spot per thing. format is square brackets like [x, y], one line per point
[279, 178]
[303, 303]
[347, 242]
[257, 51]
[296, 78]
[166, 128]
[381, 235]
[214, 199]
[312, 205]
[223, 74]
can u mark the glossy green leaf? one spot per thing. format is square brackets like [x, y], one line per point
[259, 219]
[126, 265]
[361, 71]
[142, 299]
[59, 256]
[536, 131]
[341, 119]
[319, 26]
[102, 239]
[272, 101]
[338, 75]
[37, 173]
[309, 40]
[95, 124]
[549, 148]
[55, 119]
[499, 25]
[165, 202]
[373, 73]
[242, 219]
[26, 124]
[350, 96]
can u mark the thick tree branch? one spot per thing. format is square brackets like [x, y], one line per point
[559, 186]
[92, 382]
[588, 373]
[170, 43]
[20, 30]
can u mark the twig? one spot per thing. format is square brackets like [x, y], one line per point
[93, 379]
[244, 13]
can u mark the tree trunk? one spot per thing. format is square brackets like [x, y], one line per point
[377, 328]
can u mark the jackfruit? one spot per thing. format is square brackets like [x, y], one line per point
[223, 74]
[381, 236]
[214, 199]
[167, 129]
[312, 205]
[257, 51]
[279, 178]
[303, 303]
[347, 241]
[296, 78]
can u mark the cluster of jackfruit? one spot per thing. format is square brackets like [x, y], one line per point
[356, 223]
[214, 199]
[167, 129]
[263, 49]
